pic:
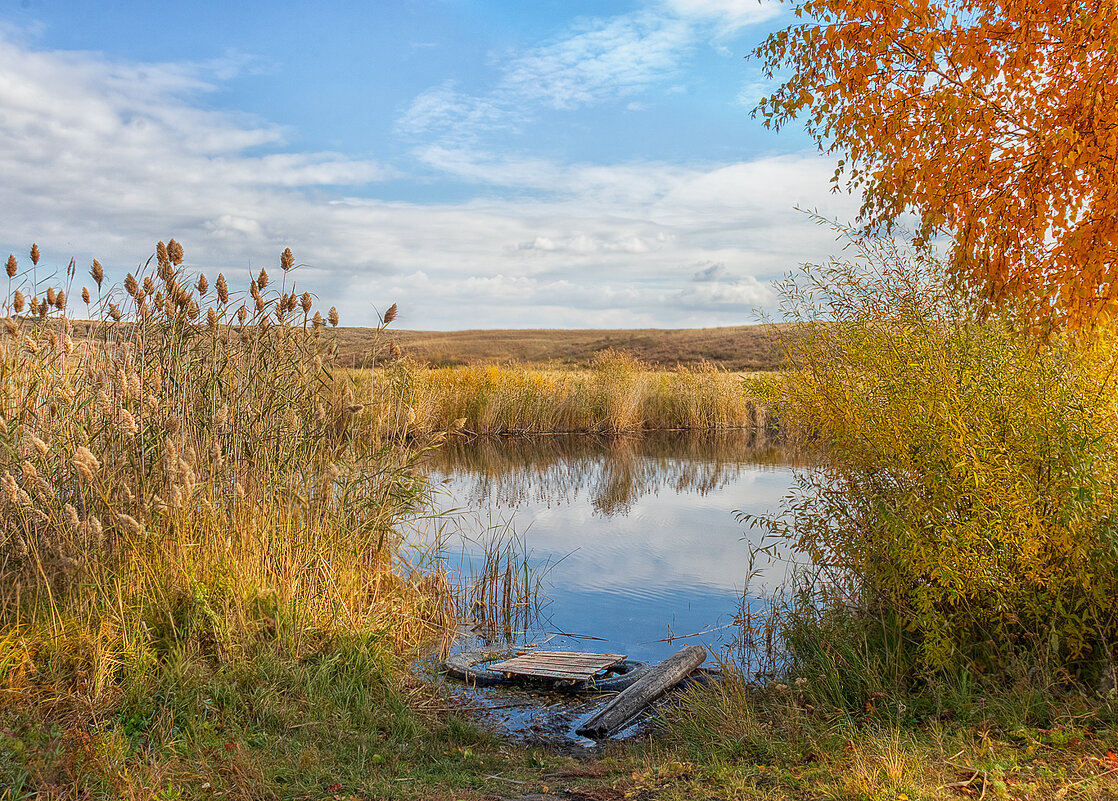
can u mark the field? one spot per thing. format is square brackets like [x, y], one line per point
[736, 348]
[200, 594]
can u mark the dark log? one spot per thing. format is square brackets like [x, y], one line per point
[625, 707]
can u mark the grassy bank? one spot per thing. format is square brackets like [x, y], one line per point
[198, 586]
[618, 394]
[787, 742]
[200, 595]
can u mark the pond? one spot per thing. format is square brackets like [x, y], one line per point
[633, 543]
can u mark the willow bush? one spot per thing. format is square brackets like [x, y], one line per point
[966, 495]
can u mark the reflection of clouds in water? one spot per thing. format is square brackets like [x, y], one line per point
[640, 533]
[667, 540]
[630, 514]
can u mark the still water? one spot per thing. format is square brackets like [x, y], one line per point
[635, 541]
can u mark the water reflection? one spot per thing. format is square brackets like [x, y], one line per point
[640, 532]
[612, 473]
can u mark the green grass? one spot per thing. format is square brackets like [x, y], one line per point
[342, 721]
[783, 741]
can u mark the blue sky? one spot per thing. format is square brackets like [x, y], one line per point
[483, 164]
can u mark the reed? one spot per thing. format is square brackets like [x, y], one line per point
[501, 596]
[187, 482]
[619, 394]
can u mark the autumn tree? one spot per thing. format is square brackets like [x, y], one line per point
[994, 121]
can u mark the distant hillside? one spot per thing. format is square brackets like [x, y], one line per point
[747, 347]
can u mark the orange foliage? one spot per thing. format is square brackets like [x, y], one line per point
[995, 121]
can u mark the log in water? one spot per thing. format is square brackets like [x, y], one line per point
[626, 706]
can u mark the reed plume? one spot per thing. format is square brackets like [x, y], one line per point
[162, 471]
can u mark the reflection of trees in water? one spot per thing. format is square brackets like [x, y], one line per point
[614, 472]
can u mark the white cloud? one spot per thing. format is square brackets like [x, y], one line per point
[102, 158]
[596, 61]
[712, 297]
[607, 60]
[750, 94]
[710, 271]
[457, 116]
[727, 15]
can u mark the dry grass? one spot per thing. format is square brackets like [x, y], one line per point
[734, 348]
[779, 742]
[185, 487]
[617, 394]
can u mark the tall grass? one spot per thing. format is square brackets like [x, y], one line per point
[186, 483]
[501, 596]
[618, 394]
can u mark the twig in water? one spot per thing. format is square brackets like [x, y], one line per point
[481, 707]
[577, 636]
[675, 637]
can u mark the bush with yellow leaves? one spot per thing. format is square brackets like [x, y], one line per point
[967, 490]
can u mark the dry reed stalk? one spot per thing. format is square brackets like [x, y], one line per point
[168, 467]
[619, 395]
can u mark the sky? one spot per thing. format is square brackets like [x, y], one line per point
[481, 163]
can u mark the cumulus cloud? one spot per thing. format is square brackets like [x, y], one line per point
[102, 158]
[720, 297]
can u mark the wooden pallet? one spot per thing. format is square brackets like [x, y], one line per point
[566, 665]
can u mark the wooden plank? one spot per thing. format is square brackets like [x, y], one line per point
[558, 663]
[569, 665]
[625, 707]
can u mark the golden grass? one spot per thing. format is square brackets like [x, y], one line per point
[619, 394]
[184, 479]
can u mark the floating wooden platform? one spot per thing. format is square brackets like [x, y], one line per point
[566, 665]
